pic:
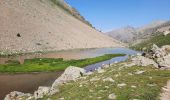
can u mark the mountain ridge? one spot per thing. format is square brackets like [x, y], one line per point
[139, 33]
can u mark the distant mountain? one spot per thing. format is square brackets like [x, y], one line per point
[125, 34]
[133, 35]
[46, 25]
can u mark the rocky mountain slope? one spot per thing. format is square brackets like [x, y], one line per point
[135, 35]
[125, 34]
[158, 39]
[46, 25]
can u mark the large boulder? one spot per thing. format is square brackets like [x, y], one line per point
[158, 52]
[164, 61]
[166, 33]
[41, 92]
[70, 74]
[143, 61]
[18, 96]
[167, 48]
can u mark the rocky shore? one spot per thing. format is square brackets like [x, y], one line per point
[159, 57]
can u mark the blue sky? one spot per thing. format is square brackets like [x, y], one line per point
[106, 15]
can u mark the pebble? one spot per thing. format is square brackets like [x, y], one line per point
[112, 96]
[121, 85]
[109, 79]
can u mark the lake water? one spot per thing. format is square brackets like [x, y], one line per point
[28, 83]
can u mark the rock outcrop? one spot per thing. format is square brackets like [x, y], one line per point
[143, 61]
[18, 96]
[167, 48]
[166, 33]
[41, 92]
[157, 56]
[70, 74]
[164, 61]
[158, 52]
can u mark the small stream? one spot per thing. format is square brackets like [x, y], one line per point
[28, 83]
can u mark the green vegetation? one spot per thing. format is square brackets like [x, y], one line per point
[47, 64]
[145, 86]
[158, 39]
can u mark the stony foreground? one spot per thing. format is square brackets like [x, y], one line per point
[118, 81]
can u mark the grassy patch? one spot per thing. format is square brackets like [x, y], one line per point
[158, 39]
[148, 85]
[46, 64]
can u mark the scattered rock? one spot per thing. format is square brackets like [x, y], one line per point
[99, 97]
[100, 70]
[139, 72]
[105, 66]
[61, 98]
[151, 85]
[91, 91]
[121, 85]
[54, 91]
[112, 96]
[130, 64]
[116, 75]
[130, 74]
[18, 96]
[133, 86]
[108, 79]
[106, 87]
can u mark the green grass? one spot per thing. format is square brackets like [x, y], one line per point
[91, 90]
[158, 39]
[47, 64]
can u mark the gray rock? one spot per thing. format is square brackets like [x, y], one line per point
[166, 33]
[108, 79]
[112, 96]
[15, 95]
[167, 48]
[121, 85]
[41, 92]
[70, 74]
[139, 72]
[143, 61]
[100, 70]
[158, 52]
[105, 66]
[164, 61]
